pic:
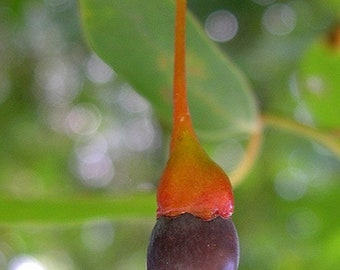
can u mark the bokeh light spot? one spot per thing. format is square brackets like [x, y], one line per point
[83, 119]
[25, 262]
[302, 224]
[279, 19]
[97, 235]
[303, 115]
[315, 84]
[93, 163]
[221, 25]
[59, 80]
[97, 71]
[139, 134]
[290, 185]
[132, 101]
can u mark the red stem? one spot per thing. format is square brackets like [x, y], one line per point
[181, 114]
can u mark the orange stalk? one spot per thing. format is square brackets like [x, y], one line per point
[191, 182]
[181, 114]
[195, 201]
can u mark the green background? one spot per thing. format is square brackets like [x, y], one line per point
[82, 145]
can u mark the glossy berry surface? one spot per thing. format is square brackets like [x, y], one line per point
[187, 242]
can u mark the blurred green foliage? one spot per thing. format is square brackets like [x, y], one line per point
[81, 150]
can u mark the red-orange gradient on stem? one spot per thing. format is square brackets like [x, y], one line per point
[191, 182]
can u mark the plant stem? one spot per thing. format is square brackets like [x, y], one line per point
[250, 156]
[181, 114]
[331, 142]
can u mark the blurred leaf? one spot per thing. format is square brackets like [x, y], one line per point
[320, 80]
[75, 209]
[327, 139]
[288, 202]
[335, 5]
[137, 41]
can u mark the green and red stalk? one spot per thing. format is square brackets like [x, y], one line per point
[195, 200]
[191, 182]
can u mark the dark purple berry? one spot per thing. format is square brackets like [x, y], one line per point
[190, 243]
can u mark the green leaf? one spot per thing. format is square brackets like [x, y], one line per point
[320, 80]
[72, 210]
[136, 39]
